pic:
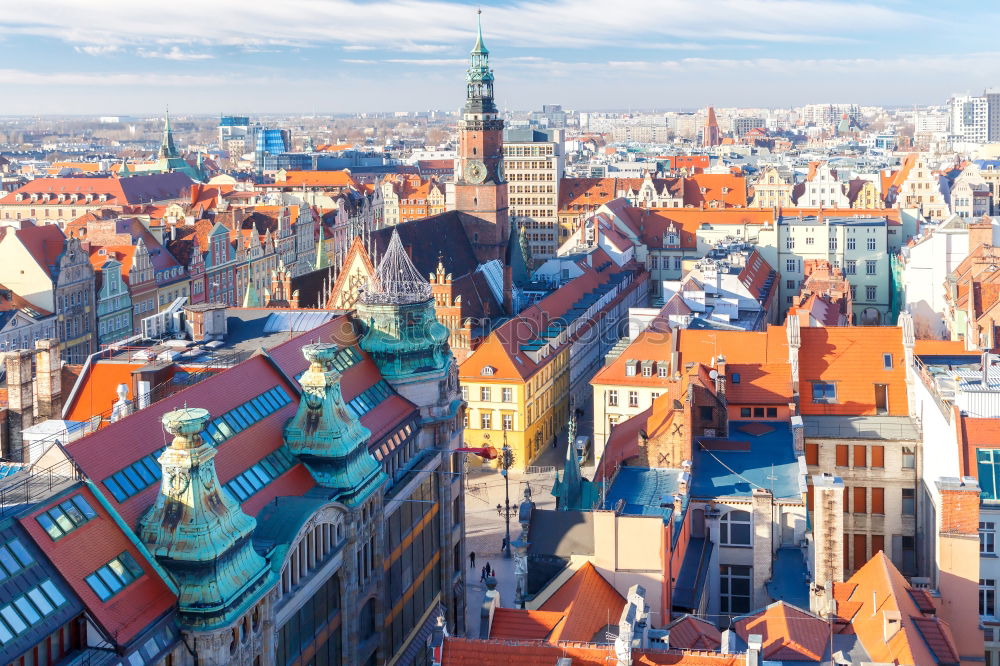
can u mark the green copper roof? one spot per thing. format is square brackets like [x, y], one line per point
[250, 298]
[198, 532]
[480, 47]
[167, 147]
[326, 437]
[322, 261]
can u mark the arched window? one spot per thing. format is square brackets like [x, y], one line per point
[735, 529]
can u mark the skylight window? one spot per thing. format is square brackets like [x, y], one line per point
[66, 517]
[244, 485]
[13, 558]
[114, 576]
[28, 610]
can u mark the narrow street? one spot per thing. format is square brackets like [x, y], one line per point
[485, 528]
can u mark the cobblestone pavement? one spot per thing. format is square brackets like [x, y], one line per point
[484, 527]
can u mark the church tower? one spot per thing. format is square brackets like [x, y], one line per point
[480, 186]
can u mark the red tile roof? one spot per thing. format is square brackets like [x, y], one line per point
[760, 383]
[517, 624]
[589, 603]
[45, 243]
[693, 633]
[788, 633]
[91, 546]
[721, 189]
[471, 652]
[852, 358]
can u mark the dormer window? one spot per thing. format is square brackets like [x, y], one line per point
[725, 190]
[630, 368]
[704, 190]
[488, 371]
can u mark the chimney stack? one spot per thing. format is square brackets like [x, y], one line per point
[20, 403]
[754, 648]
[48, 366]
[957, 555]
[828, 539]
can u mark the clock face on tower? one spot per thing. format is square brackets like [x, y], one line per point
[500, 171]
[475, 172]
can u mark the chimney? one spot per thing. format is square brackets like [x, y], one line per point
[754, 645]
[828, 539]
[48, 368]
[720, 380]
[762, 504]
[794, 342]
[892, 620]
[957, 554]
[798, 433]
[439, 633]
[980, 233]
[20, 407]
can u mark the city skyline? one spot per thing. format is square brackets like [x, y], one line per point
[345, 56]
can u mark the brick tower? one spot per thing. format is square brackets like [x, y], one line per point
[480, 186]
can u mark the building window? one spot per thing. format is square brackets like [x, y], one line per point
[734, 589]
[987, 597]
[633, 398]
[107, 581]
[465, 393]
[612, 398]
[508, 421]
[870, 292]
[909, 458]
[62, 519]
[745, 412]
[647, 370]
[887, 361]
[661, 370]
[850, 266]
[833, 242]
[825, 392]
[485, 420]
[851, 243]
[791, 284]
[705, 413]
[735, 528]
[870, 266]
[790, 243]
[507, 394]
[629, 369]
[908, 502]
[484, 393]
[810, 240]
[791, 265]
[871, 243]
[987, 538]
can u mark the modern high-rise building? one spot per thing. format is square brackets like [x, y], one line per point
[969, 118]
[535, 165]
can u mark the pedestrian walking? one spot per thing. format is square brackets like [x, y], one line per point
[482, 573]
[489, 569]
[472, 559]
[499, 510]
[553, 441]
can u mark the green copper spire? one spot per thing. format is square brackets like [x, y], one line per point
[322, 261]
[167, 147]
[124, 171]
[199, 533]
[479, 78]
[480, 47]
[326, 437]
[250, 298]
[572, 491]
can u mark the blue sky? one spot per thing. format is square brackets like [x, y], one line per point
[305, 56]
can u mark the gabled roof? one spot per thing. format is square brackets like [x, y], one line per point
[45, 243]
[878, 587]
[729, 190]
[852, 358]
[759, 383]
[340, 178]
[519, 624]
[91, 546]
[693, 633]
[588, 601]
[789, 633]
[134, 190]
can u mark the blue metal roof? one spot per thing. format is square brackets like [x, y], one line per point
[770, 463]
[642, 490]
[790, 582]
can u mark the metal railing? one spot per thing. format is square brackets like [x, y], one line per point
[33, 484]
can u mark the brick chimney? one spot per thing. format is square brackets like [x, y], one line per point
[958, 563]
[763, 539]
[828, 540]
[20, 407]
[980, 233]
[48, 368]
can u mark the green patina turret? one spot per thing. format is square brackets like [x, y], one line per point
[479, 77]
[250, 298]
[167, 148]
[322, 261]
[331, 443]
[399, 326]
[572, 491]
[199, 533]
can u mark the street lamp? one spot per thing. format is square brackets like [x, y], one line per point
[506, 462]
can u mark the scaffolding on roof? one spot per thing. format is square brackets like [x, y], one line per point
[397, 280]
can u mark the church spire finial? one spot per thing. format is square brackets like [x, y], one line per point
[167, 147]
[480, 47]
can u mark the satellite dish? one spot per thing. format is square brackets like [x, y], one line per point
[714, 374]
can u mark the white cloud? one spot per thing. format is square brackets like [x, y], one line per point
[97, 50]
[15, 77]
[174, 53]
[394, 25]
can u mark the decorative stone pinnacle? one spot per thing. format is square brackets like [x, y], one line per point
[185, 425]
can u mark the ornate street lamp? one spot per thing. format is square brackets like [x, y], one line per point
[506, 462]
